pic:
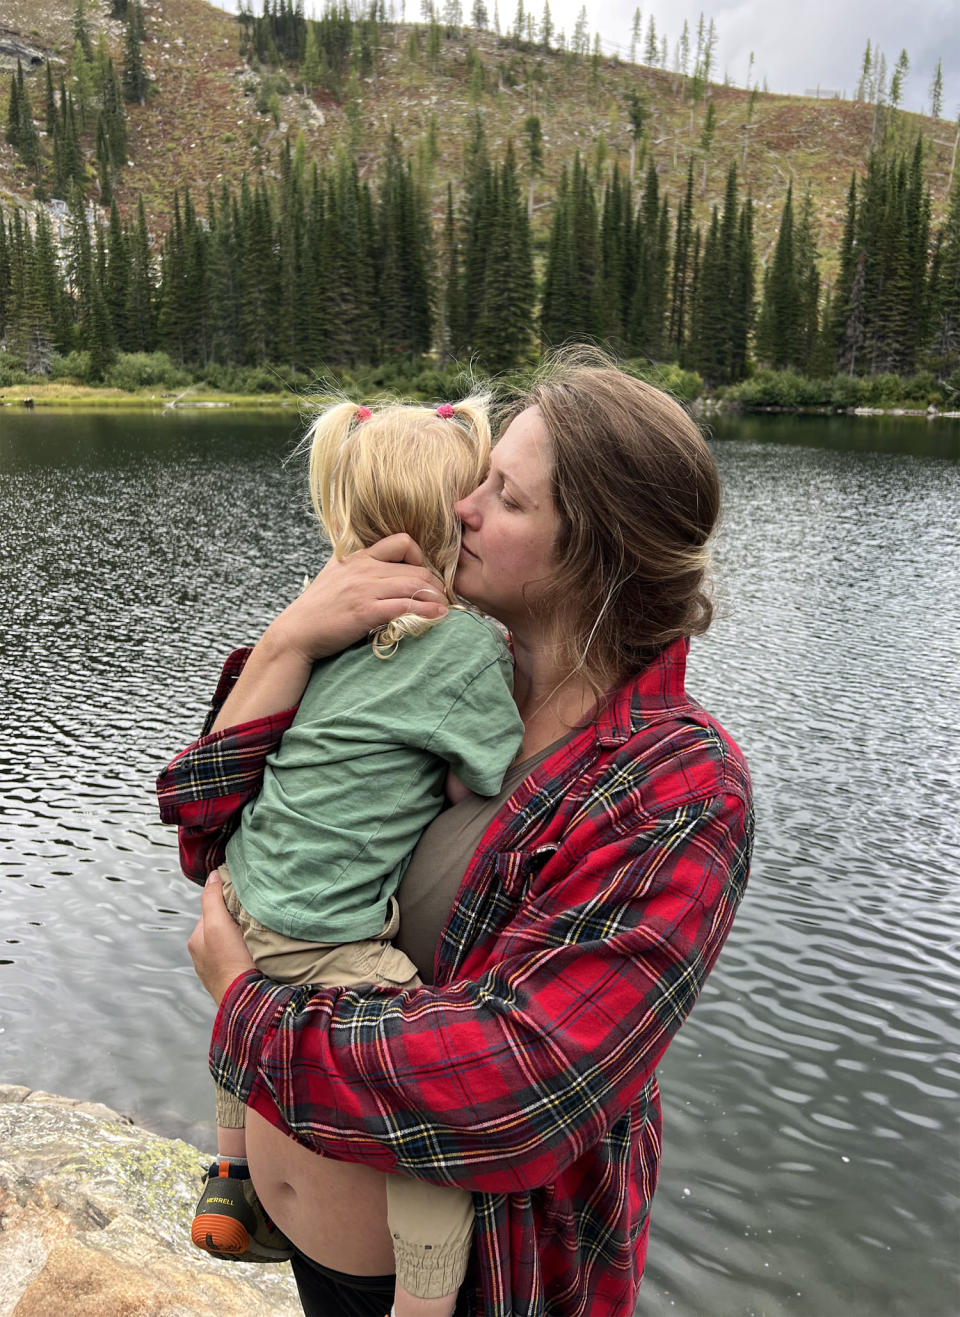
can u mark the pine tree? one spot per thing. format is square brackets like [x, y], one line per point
[637, 114]
[503, 325]
[50, 103]
[534, 145]
[742, 302]
[6, 276]
[310, 70]
[717, 328]
[682, 278]
[81, 82]
[81, 32]
[936, 92]
[651, 48]
[899, 78]
[546, 27]
[944, 337]
[451, 334]
[114, 115]
[840, 299]
[99, 339]
[581, 34]
[140, 318]
[635, 35]
[778, 325]
[135, 80]
[103, 164]
[616, 258]
[807, 284]
[38, 310]
[572, 305]
[557, 292]
[405, 258]
[12, 133]
[21, 132]
[865, 81]
[648, 303]
[706, 137]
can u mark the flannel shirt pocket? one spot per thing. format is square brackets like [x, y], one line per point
[516, 870]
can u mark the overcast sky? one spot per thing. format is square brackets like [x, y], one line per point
[797, 44]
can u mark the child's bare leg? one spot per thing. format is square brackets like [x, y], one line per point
[231, 1142]
[409, 1305]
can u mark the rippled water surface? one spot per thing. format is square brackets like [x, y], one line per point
[811, 1164]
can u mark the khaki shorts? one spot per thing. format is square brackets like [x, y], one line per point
[431, 1225]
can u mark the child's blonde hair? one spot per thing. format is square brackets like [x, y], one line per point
[398, 469]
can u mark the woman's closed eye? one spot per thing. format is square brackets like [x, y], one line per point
[510, 503]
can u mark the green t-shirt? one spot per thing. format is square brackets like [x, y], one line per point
[360, 773]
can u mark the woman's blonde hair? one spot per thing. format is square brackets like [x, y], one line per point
[638, 497]
[398, 469]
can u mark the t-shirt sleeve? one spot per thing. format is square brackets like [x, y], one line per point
[481, 732]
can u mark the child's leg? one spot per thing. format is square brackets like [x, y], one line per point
[229, 1221]
[231, 1119]
[432, 1231]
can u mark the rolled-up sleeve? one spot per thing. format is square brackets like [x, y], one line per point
[204, 788]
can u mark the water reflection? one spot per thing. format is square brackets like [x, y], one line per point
[811, 1160]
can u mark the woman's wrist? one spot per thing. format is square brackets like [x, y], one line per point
[272, 681]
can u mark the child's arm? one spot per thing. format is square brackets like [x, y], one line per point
[455, 790]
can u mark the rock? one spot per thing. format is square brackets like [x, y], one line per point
[94, 1221]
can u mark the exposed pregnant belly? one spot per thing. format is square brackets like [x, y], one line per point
[335, 1212]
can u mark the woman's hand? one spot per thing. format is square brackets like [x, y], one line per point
[349, 599]
[345, 602]
[216, 944]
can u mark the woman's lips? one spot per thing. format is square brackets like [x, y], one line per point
[466, 552]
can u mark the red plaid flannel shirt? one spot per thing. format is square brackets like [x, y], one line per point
[579, 940]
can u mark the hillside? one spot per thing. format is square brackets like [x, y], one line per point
[201, 123]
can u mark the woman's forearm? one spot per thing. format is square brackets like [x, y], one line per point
[273, 680]
[341, 605]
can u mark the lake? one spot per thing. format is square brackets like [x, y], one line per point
[811, 1164]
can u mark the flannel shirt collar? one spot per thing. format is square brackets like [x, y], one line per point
[646, 698]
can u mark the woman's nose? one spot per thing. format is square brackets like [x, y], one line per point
[465, 508]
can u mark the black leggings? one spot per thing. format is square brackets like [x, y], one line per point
[328, 1293]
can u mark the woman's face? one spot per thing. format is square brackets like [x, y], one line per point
[510, 526]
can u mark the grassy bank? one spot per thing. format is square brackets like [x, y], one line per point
[764, 391]
[79, 396]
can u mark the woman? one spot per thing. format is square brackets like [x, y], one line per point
[599, 893]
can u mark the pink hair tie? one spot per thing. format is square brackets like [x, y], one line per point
[363, 413]
[445, 410]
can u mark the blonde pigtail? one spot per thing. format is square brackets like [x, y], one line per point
[327, 436]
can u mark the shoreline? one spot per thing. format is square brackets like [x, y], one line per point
[78, 397]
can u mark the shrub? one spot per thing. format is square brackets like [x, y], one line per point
[846, 390]
[12, 370]
[770, 388]
[922, 389]
[685, 385]
[74, 366]
[138, 370]
[882, 390]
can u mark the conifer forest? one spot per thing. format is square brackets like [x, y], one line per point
[317, 266]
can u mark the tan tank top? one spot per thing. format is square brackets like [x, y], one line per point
[440, 860]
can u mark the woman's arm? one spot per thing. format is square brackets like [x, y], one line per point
[204, 788]
[341, 605]
[498, 1081]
